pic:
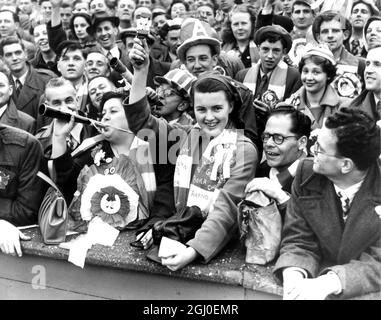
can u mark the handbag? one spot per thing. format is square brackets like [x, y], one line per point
[53, 214]
[260, 226]
[180, 227]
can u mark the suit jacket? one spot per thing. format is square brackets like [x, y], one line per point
[18, 119]
[21, 191]
[293, 82]
[316, 238]
[365, 101]
[33, 88]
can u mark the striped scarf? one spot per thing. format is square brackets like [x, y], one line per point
[210, 173]
[277, 82]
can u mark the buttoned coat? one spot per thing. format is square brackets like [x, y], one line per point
[21, 191]
[316, 238]
[33, 88]
[18, 119]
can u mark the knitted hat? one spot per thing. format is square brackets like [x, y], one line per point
[179, 79]
[195, 32]
[320, 50]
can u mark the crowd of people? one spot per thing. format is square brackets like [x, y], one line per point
[197, 103]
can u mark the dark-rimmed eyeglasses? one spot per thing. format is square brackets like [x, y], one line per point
[316, 149]
[277, 138]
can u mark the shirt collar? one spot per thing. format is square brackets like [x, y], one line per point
[376, 99]
[349, 192]
[21, 79]
[2, 110]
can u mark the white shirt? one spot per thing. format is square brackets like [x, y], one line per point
[114, 52]
[349, 192]
[2, 110]
[21, 79]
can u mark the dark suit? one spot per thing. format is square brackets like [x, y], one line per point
[315, 235]
[33, 88]
[18, 119]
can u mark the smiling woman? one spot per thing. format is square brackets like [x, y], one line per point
[213, 160]
[317, 99]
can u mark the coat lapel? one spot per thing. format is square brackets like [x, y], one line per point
[321, 210]
[363, 225]
[27, 93]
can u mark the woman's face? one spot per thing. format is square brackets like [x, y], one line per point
[113, 114]
[212, 110]
[241, 25]
[178, 11]
[80, 24]
[41, 37]
[313, 77]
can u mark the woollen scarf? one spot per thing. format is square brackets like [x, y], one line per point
[277, 82]
[211, 172]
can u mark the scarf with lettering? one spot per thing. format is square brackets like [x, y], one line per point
[277, 82]
[210, 172]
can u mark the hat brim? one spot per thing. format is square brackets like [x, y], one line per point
[191, 42]
[132, 34]
[162, 80]
[91, 29]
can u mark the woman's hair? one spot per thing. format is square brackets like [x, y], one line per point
[111, 95]
[71, 23]
[227, 33]
[325, 64]
[211, 84]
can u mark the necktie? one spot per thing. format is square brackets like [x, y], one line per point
[262, 86]
[378, 108]
[18, 87]
[356, 48]
[345, 204]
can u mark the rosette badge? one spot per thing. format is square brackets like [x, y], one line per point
[270, 98]
[109, 191]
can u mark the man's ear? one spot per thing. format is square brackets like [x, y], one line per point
[302, 143]
[215, 60]
[347, 166]
[183, 106]
[346, 34]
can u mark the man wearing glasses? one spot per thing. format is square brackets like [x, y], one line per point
[331, 241]
[284, 141]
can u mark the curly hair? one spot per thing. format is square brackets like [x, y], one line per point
[358, 136]
[227, 32]
[326, 65]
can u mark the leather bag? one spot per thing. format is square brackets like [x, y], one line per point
[53, 214]
[180, 227]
